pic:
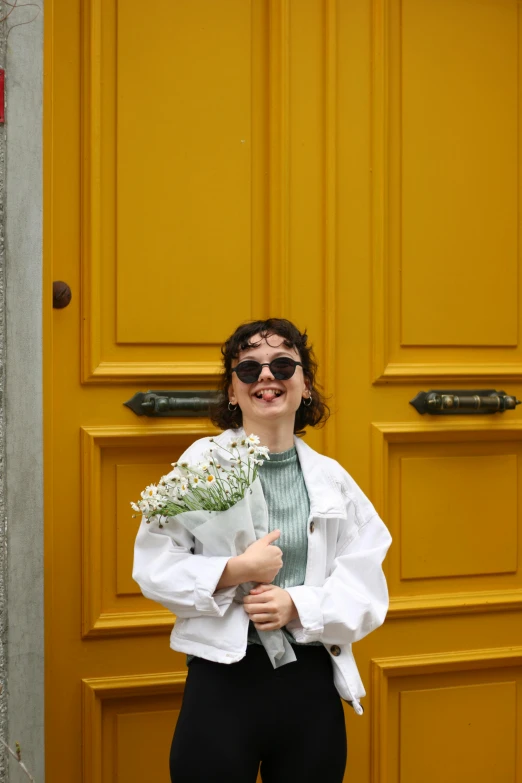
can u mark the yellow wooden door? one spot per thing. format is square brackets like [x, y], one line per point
[351, 165]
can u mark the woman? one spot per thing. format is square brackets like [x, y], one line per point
[320, 579]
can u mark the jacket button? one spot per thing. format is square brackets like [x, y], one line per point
[335, 650]
[312, 527]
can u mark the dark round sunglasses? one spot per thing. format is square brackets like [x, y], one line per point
[282, 369]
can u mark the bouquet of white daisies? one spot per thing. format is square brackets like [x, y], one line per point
[220, 502]
[205, 485]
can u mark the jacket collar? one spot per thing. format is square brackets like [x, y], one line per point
[325, 499]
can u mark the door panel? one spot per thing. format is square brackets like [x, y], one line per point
[174, 156]
[117, 462]
[446, 109]
[445, 494]
[351, 165]
[431, 700]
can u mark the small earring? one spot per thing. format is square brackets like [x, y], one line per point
[232, 408]
[307, 404]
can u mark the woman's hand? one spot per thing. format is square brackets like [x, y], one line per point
[261, 561]
[270, 607]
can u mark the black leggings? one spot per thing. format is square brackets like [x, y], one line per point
[234, 716]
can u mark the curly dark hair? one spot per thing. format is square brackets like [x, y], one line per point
[314, 415]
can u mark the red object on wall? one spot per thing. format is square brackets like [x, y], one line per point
[2, 94]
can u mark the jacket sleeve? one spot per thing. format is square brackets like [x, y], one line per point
[168, 572]
[354, 599]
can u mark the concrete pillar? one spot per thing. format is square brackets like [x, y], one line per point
[22, 536]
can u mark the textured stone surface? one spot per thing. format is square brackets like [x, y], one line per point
[3, 501]
[22, 537]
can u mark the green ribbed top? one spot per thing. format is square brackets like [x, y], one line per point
[288, 504]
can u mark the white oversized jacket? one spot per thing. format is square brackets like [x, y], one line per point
[344, 596]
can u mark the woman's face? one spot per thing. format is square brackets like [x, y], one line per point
[268, 398]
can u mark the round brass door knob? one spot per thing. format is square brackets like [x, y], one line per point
[61, 294]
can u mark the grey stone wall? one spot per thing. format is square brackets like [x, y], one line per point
[21, 535]
[3, 499]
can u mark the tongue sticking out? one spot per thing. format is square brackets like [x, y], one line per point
[268, 396]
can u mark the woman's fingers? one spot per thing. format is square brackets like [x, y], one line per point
[269, 617]
[269, 609]
[260, 609]
[261, 588]
[256, 599]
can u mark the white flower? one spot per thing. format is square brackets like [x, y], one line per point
[233, 444]
[174, 475]
[210, 479]
[149, 492]
[135, 507]
[195, 480]
[182, 488]
[253, 439]
[204, 467]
